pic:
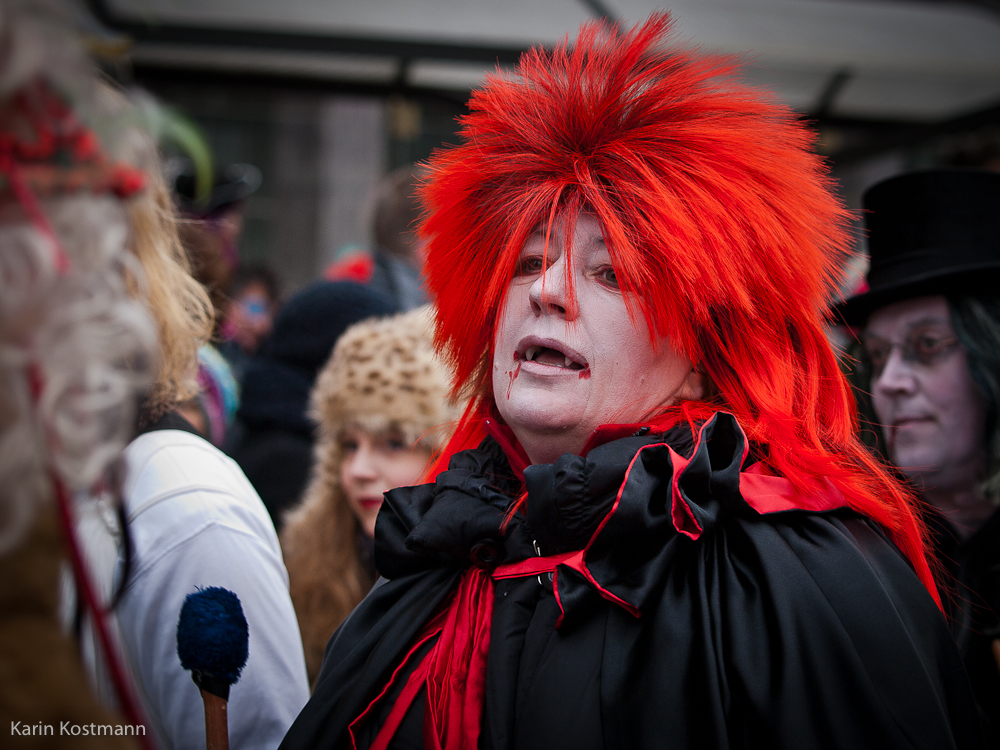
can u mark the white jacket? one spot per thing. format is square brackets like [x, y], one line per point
[195, 521]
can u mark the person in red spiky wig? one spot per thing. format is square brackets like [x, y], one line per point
[654, 522]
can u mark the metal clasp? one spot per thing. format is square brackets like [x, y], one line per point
[538, 551]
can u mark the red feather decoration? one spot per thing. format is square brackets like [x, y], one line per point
[726, 238]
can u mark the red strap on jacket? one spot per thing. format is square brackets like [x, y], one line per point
[534, 566]
[453, 672]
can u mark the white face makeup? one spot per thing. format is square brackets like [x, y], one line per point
[925, 399]
[567, 361]
[372, 465]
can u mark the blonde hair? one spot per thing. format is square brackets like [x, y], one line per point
[178, 303]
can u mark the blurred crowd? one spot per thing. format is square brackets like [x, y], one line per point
[169, 419]
[137, 345]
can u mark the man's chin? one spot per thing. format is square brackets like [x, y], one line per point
[920, 474]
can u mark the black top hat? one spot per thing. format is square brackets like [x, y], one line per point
[232, 184]
[933, 232]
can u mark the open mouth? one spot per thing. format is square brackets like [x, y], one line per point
[546, 355]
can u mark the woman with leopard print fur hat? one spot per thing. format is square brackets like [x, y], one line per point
[382, 406]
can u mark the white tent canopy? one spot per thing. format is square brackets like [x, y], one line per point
[889, 60]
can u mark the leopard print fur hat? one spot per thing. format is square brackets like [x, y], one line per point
[384, 375]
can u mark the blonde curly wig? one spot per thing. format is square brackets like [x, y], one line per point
[77, 345]
[128, 319]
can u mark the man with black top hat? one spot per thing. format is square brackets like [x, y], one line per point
[217, 221]
[930, 330]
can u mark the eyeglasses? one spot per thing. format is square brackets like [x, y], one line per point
[254, 307]
[923, 348]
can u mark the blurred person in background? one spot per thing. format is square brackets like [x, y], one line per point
[383, 407]
[210, 230]
[215, 219]
[248, 315]
[211, 410]
[189, 518]
[77, 353]
[930, 336]
[393, 267]
[273, 437]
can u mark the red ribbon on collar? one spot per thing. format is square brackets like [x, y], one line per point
[454, 670]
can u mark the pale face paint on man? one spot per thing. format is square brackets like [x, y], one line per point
[932, 415]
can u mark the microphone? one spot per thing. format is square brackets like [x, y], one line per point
[212, 642]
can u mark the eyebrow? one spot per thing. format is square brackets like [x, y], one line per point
[929, 321]
[926, 321]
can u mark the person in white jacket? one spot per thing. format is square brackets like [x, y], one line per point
[191, 520]
[195, 521]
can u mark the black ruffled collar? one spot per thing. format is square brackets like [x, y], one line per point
[628, 506]
[463, 516]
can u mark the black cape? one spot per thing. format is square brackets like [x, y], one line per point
[793, 629]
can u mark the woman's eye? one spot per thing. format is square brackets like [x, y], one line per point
[608, 276]
[348, 446]
[877, 359]
[929, 345]
[529, 266]
[392, 442]
[877, 354]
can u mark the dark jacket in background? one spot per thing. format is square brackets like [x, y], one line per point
[972, 598]
[273, 438]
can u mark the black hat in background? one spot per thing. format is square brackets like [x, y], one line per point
[232, 184]
[308, 325]
[932, 232]
[278, 379]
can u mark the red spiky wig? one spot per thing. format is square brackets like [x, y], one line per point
[719, 219]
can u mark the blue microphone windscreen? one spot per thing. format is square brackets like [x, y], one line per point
[212, 634]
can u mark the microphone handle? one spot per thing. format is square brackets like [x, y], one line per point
[216, 721]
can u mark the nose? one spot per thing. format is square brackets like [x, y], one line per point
[360, 465]
[552, 292]
[897, 377]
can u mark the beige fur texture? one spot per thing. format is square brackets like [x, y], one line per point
[383, 375]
